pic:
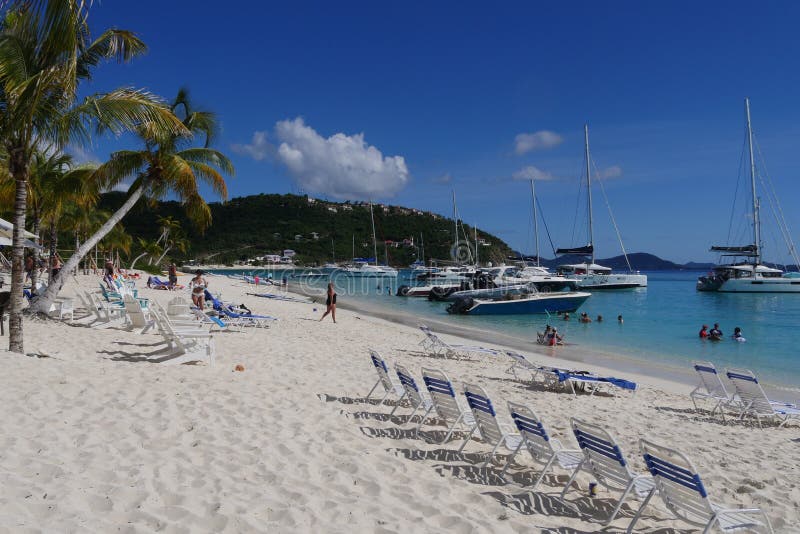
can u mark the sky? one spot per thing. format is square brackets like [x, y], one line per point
[405, 102]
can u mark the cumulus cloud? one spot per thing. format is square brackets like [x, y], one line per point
[543, 139]
[615, 171]
[532, 173]
[342, 166]
[259, 147]
[445, 178]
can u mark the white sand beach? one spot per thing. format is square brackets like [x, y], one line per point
[96, 438]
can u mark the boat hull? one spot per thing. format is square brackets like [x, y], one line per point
[553, 303]
[611, 281]
[766, 285]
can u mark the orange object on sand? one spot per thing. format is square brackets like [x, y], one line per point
[239, 367]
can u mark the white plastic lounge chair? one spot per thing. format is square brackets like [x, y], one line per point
[106, 313]
[439, 347]
[389, 387]
[521, 362]
[487, 425]
[412, 393]
[137, 318]
[426, 343]
[542, 448]
[684, 494]
[445, 404]
[711, 387]
[187, 344]
[603, 459]
[755, 402]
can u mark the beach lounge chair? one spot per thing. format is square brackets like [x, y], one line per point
[247, 319]
[487, 425]
[438, 347]
[445, 403]
[384, 380]
[603, 459]
[137, 318]
[569, 378]
[186, 344]
[711, 387]
[542, 448]
[412, 393]
[684, 494]
[754, 401]
[521, 362]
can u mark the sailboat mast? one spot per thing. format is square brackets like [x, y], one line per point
[535, 222]
[422, 248]
[476, 246]
[589, 185]
[455, 225]
[374, 239]
[756, 214]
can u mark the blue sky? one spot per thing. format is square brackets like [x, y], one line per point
[449, 87]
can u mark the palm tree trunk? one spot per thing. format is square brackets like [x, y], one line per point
[45, 301]
[53, 251]
[18, 166]
[35, 270]
[137, 258]
[158, 261]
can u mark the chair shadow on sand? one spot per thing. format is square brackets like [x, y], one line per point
[705, 416]
[433, 356]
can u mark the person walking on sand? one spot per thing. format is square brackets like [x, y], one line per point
[330, 302]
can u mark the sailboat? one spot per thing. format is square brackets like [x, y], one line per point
[749, 276]
[365, 266]
[590, 275]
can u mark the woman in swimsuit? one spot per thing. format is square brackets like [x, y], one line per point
[199, 285]
[330, 302]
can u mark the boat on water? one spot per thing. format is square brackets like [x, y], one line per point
[522, 304]
[369, 266]
[750, 275]
[589, 274]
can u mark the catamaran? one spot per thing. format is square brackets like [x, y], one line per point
[590, 275]
[751, 276]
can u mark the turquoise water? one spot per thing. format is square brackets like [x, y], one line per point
[661, 323]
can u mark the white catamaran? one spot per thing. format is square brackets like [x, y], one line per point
[590, 274]
[363, 266]
[751, 276]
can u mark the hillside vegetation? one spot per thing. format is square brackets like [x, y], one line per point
[247, 227]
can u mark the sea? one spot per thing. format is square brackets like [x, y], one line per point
[660, 322]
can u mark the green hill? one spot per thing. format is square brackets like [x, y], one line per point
[247, 227]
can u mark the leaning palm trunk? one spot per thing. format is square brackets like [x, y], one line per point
[44, 302]
[166, 250]
[137, 258]
[35, 270]
[53, 250]
[19, 169]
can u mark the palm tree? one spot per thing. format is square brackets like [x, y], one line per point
[45, 51]
[148, 248]
[168, 164]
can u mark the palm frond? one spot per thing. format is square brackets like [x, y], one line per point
[119, 45]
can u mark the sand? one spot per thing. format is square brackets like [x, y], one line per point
[95, 438]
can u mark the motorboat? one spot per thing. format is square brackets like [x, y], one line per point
[521, 304]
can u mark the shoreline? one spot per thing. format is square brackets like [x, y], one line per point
[661, 375]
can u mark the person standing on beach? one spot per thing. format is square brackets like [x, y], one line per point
[330, 302]
[173, 276]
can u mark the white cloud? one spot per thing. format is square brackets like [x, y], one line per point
[543, 139]
[342, 166]
[80, 155]
[615, 171]
[445, 178]
[532, 173]
[258, 149]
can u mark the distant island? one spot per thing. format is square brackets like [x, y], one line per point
[245, 229]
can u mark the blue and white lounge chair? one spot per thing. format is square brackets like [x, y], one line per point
[413, 394]
[542, 448]
[445, 403]
[384, 380]
[521, 362]
[603, 459]
[755, 402]
[487, 425]
[684, 494]
[569, 378]
[711, 387]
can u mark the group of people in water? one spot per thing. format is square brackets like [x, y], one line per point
[584, 318]
[715, 334]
